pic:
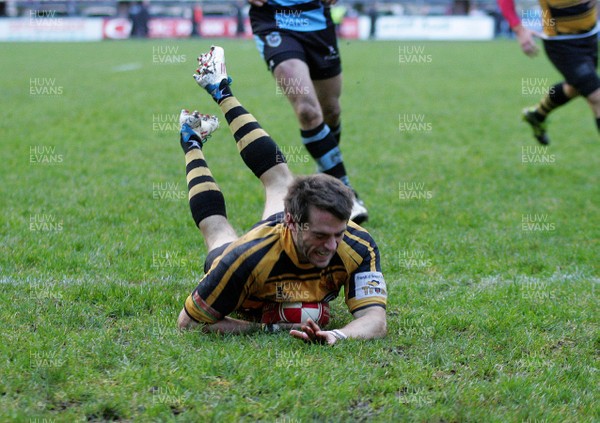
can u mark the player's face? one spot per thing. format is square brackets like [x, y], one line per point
[318, 240]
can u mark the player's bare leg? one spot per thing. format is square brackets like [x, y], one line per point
[328, 93]
[276, 182]
[207, 203]
[293, 79]
[310, 101]
[594, 101]
[570, 90]
[260, 153]
[258, 150]
[216, 231]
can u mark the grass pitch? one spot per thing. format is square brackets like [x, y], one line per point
[489, 243]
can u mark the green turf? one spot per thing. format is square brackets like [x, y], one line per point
[489, 244]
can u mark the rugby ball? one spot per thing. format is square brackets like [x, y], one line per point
[296, 313]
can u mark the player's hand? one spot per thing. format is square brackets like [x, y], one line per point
[257, 2]
[526, 40]
[312, 333]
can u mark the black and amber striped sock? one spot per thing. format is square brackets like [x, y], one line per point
[322, 146]
[257, 148]
[206, 199]
[556, 97]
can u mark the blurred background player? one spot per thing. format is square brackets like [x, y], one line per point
[304, 237]
[297, 39]
[570, 37]
[139, 16]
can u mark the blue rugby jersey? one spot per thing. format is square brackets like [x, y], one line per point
[290, 15]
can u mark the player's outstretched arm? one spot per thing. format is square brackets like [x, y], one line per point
[524, 35]
[227, 325]
[369, 323]
[526, 40]
[236, 326]
[231, 325]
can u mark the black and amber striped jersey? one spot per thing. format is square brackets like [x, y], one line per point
[568, 16]
[263, 267]
[558, 17]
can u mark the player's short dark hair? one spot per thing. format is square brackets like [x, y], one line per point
[321, 191]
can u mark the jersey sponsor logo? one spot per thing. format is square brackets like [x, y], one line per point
[273, 39]
[369, 284]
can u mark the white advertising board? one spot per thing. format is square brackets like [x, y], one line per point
[49, 28]
[434, 28]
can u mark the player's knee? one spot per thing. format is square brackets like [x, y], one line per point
[332, 114]
[309, 115]
[569, 90]
[594, 97]
[284, 178]
[594, 102]
[277, 178]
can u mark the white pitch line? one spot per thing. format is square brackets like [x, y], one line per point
[127, 67]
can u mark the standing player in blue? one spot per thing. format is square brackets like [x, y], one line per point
[298, 41]
[304, 250]
[571, 43]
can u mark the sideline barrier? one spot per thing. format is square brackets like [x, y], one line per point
[452, 28]
[49, 28]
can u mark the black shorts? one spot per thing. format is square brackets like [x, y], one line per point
[318, 49]
[577, 61]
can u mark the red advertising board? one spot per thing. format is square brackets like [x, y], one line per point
[222, 27]
[209, 27]
[349, 28]
[169, 28]
[116, 29]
